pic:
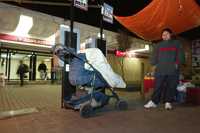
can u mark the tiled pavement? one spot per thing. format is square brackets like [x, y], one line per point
[43, 97]
[14, 97]
[52, 119]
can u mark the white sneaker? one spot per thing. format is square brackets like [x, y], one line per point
[150, 104]
[168, 106]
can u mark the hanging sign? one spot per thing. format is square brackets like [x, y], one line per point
[12, 38]
[82, 4]
[107, 12]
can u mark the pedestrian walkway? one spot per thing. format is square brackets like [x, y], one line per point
[180, 120]
[50, 118]
[44, 97]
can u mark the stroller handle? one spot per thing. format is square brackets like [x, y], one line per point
[62, 51]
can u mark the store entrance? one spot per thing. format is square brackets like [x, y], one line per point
[10, 60]
[35, 93]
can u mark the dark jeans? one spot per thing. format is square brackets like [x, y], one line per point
[165, 84]
[21, 79]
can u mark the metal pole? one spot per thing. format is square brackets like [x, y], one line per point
[31, 67]
[67, 88]
[9, 64]
[34, 66]
[6, 72]
[71, 23]
[52, 71]
[101, 24]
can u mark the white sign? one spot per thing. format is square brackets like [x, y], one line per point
[107, 12]
[82, 4]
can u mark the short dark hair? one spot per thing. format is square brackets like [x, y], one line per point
[168, 30]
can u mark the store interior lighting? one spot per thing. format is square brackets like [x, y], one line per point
[131, 53]
[146, 48]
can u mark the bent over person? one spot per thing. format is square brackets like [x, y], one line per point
[167, 57]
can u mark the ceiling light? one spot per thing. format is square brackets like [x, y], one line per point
[24, 25]
[146, 48]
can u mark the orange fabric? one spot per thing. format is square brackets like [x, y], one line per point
[179, 15]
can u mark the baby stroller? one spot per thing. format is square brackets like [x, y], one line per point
[90, 69]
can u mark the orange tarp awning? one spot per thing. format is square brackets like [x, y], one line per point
[179, 15]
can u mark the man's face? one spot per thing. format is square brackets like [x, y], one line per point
[166, 35]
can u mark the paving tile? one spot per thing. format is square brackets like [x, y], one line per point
[8, 126]
[52, 119]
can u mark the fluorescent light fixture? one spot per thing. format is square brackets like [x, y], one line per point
[99, 35]
[24, 25]
[146, 48]
[64, 26]
[132, 53]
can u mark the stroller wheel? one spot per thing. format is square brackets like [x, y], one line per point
[86, 111]
[122, 105]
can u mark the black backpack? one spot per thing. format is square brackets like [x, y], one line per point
[26, 69]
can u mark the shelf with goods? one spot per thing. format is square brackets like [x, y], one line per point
[196, 61]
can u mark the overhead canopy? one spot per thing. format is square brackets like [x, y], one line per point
[179, 15]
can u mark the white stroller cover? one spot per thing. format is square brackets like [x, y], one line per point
[96, 58]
